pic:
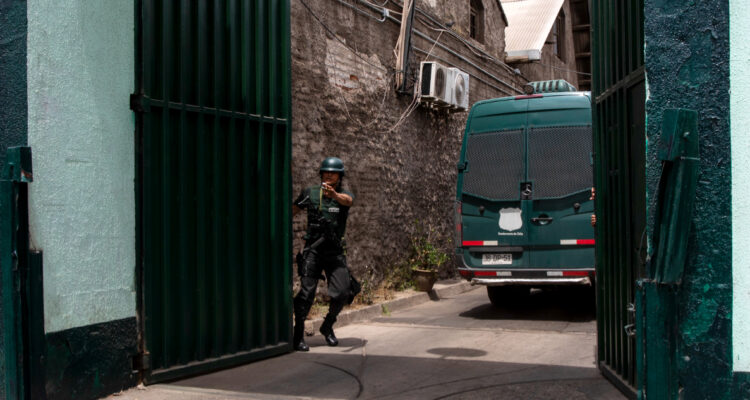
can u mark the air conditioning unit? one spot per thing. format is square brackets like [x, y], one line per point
[434, 84]
[459, 89]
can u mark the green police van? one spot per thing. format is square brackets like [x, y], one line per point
[523, 208]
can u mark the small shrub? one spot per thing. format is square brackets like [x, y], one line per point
[425, 254]
[398, 277]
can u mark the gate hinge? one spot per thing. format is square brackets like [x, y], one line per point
[139, 103]
[142, 361]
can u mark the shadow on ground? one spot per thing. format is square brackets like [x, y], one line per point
[554, 304]
[352, 376]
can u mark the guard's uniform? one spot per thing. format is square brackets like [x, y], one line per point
[325, 218]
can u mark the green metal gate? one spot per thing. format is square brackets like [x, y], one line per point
[214, 188]
[619, 144]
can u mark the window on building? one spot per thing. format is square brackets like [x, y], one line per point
[558, 36]
[476, 21]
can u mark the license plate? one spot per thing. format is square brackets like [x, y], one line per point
[497, 259]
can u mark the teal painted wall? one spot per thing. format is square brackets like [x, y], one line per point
[739, 71]
[80, 74]
[687, 65]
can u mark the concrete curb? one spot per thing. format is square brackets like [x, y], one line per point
[441, 290]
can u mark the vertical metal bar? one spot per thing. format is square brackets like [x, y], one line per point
[287, 213]
[253, 243]
[616, 226]
[631, 40]
[622, 227]
[232, 164]
[219, 343]
[599, 246]
[263, 265]
[276, 171]
[628, 226]
[147, 232]
[201, 165]
[611, 235]
[261, 45]
[248, 241]
[273, 59]
[262, 167]
[274, 232]
[167, 72]
[187, 178]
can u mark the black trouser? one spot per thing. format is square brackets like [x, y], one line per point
[339, 284]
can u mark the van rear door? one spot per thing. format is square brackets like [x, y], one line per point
[560, 170]
[494, 234]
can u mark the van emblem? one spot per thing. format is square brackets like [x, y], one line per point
[510, 219]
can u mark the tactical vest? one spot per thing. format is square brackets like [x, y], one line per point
[324, 213]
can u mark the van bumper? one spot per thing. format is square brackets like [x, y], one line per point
[525, 277]
[572, 281]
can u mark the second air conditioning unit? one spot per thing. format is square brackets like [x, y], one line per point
[434, 84]
[459, 89]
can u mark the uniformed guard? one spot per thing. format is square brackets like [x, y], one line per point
[327, 207]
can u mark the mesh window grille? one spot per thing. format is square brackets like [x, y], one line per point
[496, 165]
[560, 160]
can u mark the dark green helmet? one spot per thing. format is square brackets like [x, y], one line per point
[332, 164]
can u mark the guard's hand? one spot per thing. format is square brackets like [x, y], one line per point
[329, 191]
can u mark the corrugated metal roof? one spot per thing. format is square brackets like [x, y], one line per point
[529, 24]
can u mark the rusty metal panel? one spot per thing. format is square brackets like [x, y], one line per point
[213, 120]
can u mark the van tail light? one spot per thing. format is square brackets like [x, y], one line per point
[458, 223]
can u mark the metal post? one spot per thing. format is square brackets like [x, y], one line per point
[14, 246]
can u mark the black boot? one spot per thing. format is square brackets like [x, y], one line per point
[327, 331]
[327, 328]
[299, 337]
[301, 308]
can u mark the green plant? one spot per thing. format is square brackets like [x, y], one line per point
[367, 295]
[398, 277]
[386, 311]
[425, 254]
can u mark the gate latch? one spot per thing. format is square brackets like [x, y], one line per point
[630, 328]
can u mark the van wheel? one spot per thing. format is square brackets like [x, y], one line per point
[501, 296]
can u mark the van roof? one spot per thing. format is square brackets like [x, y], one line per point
[545, 101]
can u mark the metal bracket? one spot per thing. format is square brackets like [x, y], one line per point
[630, 330]
[18, 165]
[142, 361]
[139, 103]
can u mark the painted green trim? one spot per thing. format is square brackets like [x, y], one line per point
[741, 386]
[13, 103]
[14, 261]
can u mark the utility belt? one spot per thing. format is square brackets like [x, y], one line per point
[321, 244]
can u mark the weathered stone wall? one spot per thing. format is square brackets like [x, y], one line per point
[400, 158]
[551, 66]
